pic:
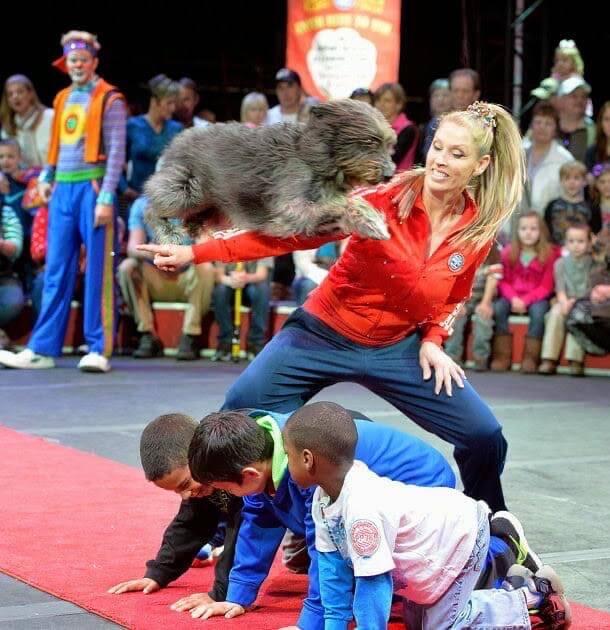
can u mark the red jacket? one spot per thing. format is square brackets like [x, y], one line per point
[532, 283]
[378, 292]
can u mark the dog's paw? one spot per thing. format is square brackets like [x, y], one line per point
[363, 219]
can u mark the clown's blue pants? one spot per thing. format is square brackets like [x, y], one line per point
[71, 219]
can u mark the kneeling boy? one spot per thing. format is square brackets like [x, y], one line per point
[164, 455]
[243, 453]
[376, 537]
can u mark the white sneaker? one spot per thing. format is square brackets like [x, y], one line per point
[26, 360]
[94, 362]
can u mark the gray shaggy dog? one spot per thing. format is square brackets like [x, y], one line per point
[281, 180]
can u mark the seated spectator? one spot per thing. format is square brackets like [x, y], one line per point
[465, 88]
[576, 130]
[289, 94]
[572, 282]
[25, 119]
[311, 267]
[142, 283]
[599, 152]
[439, 96]
[363, 94]
[478, 309]
[600, 193]
[525, 289]
[544, 157]
[254, 108]
[390, 100]
[150, 133]
[570, 207]
[254, 282]
[11, 291]
[188, 99]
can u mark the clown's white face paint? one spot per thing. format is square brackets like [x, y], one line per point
[81, 66]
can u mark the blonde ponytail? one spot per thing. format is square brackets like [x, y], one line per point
[497, 191]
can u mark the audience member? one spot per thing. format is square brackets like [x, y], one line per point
[576, 130]
[150, 133]
[311, 267]
[572, 282]
[254, 109]
[439, 96]
[363, 94]
[11, 290]
[142, 283]
[599, 152]
[188, 99]
[253, 280]
[24, 118]
[544, 157]
[390, 100]
[600, 194]
[525, 288]
[570, 207]
[465, 87]
[289, 94]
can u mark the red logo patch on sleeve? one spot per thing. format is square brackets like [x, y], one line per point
[364, 536]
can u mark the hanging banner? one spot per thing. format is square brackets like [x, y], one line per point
[337, 46]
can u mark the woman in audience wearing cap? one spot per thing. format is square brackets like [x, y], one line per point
[576, 129]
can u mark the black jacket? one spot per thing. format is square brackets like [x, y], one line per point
[192, 528]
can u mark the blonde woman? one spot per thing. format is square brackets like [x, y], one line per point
[254, 108]
[25, 119]
[381, 315]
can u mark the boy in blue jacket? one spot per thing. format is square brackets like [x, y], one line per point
[242, 452]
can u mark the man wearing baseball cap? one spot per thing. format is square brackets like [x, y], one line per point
[576, 130]
[289, 94]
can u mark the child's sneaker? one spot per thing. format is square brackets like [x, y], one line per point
[507, 526]
[545, 596]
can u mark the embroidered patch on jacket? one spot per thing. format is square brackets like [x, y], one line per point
[364, 536]
[455, 262]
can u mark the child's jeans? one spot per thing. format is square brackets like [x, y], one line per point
[536, 312]
[461, 607]
[482, 330]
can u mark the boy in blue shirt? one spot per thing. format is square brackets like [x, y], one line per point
[243, 453]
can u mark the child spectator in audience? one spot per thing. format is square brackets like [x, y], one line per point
[571, 206]
[11, 290]
[164, 456]
[600, 193]
[572, 281]
[525, 288]
[375, 537]
[479, 310]
[254, 282]
[254, 108]
[599, 153]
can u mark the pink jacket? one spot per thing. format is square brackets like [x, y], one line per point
[532, 283]
[402, 122]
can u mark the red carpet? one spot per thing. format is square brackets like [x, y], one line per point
[73, 524]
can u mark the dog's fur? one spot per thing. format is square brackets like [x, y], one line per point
[281, 180]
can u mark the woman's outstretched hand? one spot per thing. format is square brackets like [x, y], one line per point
[446, 370]
[169, 257]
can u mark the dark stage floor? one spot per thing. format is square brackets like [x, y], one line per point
[557, 477]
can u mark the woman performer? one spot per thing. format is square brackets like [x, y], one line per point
[380, 317]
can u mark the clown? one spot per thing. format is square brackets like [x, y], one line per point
[85, 160]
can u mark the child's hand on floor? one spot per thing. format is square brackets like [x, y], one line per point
[192, 601]
[146, 585]
[227, 609]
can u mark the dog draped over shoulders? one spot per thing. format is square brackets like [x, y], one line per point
[280, 180]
